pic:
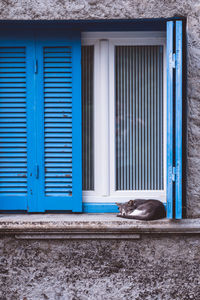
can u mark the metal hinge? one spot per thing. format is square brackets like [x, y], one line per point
[174, 174]
[173, 60]
[36, 66]
[36, 171]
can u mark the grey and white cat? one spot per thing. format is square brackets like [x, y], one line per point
[140, 209]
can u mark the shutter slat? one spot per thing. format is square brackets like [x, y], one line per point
[11, 165]
[13, 175]
[13, 150]
[59, 130]
[18, 76]
[14, 180]
[13, 190]
[62, 124]
[17, 64]
[58, 140]
[57, 110]
[61, 85]
[58, 135]
[12, 71]
[54, 154]
[58, 175]
[65, 101]
[13, 80]
[63, 180]
[12, 111]
[57, 61]
[6, 101]
[58, 55]
[11, 90]
[57, 115]
[12, 185]
[13, 159]
[57, 80]
[13, 130]
[12, 94]
[58, 160]
[58, 104]
[13, 170]
[6, 84]
[57, 169]
[54, 64]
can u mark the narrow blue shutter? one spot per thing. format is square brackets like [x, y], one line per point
[174, 119]
[15, 89]
[58, 93]
[170, 26]
[178, 122]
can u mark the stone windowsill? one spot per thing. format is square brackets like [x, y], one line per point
[89, 226]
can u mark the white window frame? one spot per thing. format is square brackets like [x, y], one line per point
[104, 113]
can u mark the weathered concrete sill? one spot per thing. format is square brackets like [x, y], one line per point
[89, 226]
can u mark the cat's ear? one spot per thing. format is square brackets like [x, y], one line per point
[131, 202]
[118, 204]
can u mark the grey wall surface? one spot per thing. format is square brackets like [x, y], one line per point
[125, 9]
[153, 268]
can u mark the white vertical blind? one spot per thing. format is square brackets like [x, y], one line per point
[87, 117]
[139, 117]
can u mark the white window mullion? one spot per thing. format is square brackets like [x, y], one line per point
[102, 115]
[112, 117]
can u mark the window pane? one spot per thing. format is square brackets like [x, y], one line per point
[87, 117]
[139, 117]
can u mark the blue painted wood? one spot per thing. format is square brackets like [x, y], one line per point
[170, 26]
[102, 207]
[44, 131]
[178, 129]
[15, 129]
[59, 138]
[77, 127]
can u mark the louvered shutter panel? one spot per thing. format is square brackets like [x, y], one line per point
[59, 126]
[15, 69]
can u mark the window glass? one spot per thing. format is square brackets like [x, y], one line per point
[139, 117]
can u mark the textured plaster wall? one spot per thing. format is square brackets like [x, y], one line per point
[125, 9]
[152, 268]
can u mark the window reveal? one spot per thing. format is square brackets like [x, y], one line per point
[87, 117]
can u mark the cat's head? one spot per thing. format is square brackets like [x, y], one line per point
[125, 208]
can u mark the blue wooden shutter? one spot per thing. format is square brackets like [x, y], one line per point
[58, 113]
[178, 122]
[174, 119]
[15, 102]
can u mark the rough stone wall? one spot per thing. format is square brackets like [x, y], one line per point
[125, 9]
[152, 268]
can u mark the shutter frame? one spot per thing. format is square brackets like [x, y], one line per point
[178, 120]
[44, 201]
[174, 120]
[170, 26]
[16, 201]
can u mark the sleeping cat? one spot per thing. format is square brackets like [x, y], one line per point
[142, 209]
